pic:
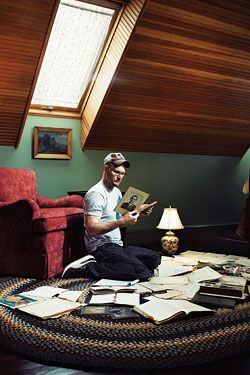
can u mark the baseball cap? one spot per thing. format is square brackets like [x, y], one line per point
[116, 158]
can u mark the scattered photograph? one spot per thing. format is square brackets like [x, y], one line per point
[122, 313]
[88, 310]
[132, 200]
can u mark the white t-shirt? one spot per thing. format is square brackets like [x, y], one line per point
[100, 201]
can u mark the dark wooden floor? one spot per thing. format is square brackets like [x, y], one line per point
[11, 364]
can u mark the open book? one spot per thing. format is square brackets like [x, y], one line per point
[111, 282]
[131, 200]
[161, 311]
[50, 308]
[107, 286]
[46, 292]
[112, 289]
[16, 300]
[129, 299]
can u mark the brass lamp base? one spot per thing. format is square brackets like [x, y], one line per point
[169, 243]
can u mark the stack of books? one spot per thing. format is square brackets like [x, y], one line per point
[227, 286]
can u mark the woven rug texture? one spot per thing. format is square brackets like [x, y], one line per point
[97, 342]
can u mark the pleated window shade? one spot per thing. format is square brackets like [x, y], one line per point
[75, 44]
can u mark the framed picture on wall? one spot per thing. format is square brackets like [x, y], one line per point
[52, 143]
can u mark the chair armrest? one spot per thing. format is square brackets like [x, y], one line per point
[69, 201]
[27, 206]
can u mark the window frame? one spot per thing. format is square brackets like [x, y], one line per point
[75, 113]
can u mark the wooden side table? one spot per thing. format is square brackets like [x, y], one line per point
[82, 193]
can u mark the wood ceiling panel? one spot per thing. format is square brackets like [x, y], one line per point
[24, 27]
[178, 135]
[176, 121]
[183, 84]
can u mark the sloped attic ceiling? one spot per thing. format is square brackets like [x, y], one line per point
[24, 26]
[182, 85]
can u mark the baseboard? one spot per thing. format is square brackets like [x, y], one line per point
[154, 235]
[220, 238]
[211, 225]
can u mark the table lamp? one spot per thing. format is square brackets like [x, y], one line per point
[170, 220]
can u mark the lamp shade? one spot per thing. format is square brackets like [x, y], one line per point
[170, 219]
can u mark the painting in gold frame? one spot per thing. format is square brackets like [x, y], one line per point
[52, 143]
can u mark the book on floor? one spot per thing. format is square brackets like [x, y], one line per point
[213, 301]
[99, 289]
[16, 300]
[46, 292]
[50, 308]
[161, 311]
[130, 299]
[111, 282]
[227, 286]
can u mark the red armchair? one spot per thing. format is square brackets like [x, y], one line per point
[38, 235]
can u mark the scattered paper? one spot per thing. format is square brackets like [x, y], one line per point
[181, 279]
[202, 274]
[110, 282]
[71, 295]
[186, 292]
[246, 276]
[169, 294]
[213, 258]
[244, 261]
[189, 291]
[173, 270]
[152, 287]
[44, 292]
[188, 261]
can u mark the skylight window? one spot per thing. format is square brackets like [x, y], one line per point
[75, 44]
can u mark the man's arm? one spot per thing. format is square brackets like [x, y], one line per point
[96, 227]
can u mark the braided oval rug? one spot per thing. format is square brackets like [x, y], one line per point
[97, 342]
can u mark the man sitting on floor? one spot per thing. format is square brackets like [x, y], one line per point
[109, 257]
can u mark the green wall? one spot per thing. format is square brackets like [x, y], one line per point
[205, 189]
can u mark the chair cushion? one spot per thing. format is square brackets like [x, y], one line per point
[53, 219]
